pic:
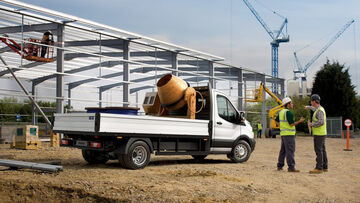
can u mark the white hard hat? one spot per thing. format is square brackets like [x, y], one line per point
[286, 100]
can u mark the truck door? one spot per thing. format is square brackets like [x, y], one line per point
[225, 128]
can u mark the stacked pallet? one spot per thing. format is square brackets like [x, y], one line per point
[55, 140]
[27, 137]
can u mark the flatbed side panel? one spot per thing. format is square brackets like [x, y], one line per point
[84, 122]
[111, 123]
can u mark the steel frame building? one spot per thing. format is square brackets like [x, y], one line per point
[93, 55]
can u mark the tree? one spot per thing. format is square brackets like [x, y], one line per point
[299, 111]
[338, 97]
[10, 107]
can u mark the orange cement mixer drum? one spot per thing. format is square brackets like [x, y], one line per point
[171, 90]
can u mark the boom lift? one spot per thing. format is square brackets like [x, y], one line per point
[274, 128]
[31, 49]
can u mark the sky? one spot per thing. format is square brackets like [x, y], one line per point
[228, 29]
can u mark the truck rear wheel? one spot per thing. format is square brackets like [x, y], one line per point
[95, 157]
[240, 152]
[137, 156]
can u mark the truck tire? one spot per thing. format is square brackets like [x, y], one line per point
[199, 157]
[267, 133]
[137, 156]
[95, 157]
[240, 152]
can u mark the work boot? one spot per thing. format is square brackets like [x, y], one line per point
[325, 170]
[315, 171]
[279, 169]
[293, 170]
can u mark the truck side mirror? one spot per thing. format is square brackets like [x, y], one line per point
[240, 117]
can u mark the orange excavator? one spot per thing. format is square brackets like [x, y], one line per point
[32, 49]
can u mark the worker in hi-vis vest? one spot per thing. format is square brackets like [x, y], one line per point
[285, 120]
[318, 127]
[259, 127]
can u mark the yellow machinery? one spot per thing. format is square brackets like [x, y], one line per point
[274, 128]
[174, 95]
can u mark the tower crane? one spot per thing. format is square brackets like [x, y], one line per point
[301, 71]
[276, 40]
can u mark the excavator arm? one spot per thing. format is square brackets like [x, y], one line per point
[272, 112]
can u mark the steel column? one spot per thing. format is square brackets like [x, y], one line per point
[263, 110]
[282, 86]
[33, 107]
[60, 69]
[126, 76]
[100, 97]
[240, 90]
[211, 74]
[174, 62]
[69, 98]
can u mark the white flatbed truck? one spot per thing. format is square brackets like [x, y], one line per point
[218, 129]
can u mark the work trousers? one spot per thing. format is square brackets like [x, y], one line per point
[259, 134]
[287, 150]
[320, 150]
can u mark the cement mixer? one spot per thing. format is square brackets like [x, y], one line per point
[173, 94]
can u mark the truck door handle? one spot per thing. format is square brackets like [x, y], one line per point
[220, 123]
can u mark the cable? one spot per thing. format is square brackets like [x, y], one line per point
[356, 66]
[269, 9]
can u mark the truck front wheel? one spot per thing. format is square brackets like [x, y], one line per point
[137, 156]
[240, 152]
[95, 157]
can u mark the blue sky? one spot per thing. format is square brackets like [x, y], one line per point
[227, 28]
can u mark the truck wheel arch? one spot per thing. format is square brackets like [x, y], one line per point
[124, 147]
[245, 138]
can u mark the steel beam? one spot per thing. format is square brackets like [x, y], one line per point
[31, 165]
[85, 68]
[29, 65]
[115, 43]
[132, 90]
[5, 49]
[30, 28]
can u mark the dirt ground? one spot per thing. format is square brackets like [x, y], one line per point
[181, 179]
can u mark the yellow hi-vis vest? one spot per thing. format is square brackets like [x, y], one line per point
[259, 126]
[321, 130]
[285, 128]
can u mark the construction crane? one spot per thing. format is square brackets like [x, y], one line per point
[301, 71]
[276, 40]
